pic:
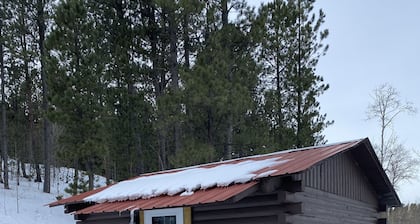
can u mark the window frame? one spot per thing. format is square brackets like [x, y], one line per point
[177, 212]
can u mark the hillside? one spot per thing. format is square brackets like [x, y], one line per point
[26, 203]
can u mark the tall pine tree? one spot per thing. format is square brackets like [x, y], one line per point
[76, 80]
[46, 125]
[291, 43]
[303, 84]
[221, 85]
[4, 148]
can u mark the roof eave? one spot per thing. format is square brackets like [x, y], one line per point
[389, 198]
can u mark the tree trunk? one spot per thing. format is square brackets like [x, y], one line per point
[38, 173]
[3, 115]
[29, 103]
[280, 125]
[23, 168]
[107, 167]
[162, 150]
[46, 124]
[382, 148]
[229, 128]
[91, 176]
[173, 69]
[299, 141]
[91, 180]
[75, 185]
[126, 84]
[18, 171]
[159, 84]
[209, 126]
[186, 37]
[139, 150]
[131, 125]
[225, 13]
[135, 136]
[229, 138]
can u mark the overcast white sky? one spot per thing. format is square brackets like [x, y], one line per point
[371, 42]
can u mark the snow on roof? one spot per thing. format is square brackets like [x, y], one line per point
[205, 183]
[187, 181]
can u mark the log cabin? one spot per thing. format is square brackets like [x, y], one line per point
[328, 184]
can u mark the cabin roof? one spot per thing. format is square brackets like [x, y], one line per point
[226, 180]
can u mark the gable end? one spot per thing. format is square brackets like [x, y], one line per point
[341, 175]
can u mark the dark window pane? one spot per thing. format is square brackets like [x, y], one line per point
[164, 220]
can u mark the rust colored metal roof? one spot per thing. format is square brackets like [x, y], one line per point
[212, 195]
[77, 198]
[302, 159]
[298, 160]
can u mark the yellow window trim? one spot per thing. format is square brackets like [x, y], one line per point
[141, 216]
[187, 215]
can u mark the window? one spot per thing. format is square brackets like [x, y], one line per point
[164, 220]
[166, 216]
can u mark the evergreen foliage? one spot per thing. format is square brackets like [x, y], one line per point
[220, 88]
[79, 185]
[138, 86]
[77, 85]
[291, 43]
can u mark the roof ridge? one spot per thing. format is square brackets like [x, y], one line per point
[249, 157]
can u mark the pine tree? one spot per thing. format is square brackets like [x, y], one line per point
[291, 44]
[76, 85]
[273, 29]
[23, 82]
[3, 8]
[220, 87]
[163, 23]
[303, 83]
[42, 24]
[123, 26]
[158, 79]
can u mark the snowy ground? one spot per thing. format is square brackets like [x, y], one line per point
[25, 203]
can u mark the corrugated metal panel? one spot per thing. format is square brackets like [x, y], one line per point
[77, 198]
[199, 197]
[298, 161]
[350, 181]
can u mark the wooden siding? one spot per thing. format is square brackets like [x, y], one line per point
[320, 207]
[105, 218]
[342, 176]
[259, 208]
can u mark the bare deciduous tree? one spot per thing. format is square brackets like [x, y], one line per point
[397, 161]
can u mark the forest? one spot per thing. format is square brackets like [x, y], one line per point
[119, 88]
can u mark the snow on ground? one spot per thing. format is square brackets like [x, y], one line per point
[185, 181]
[26, 203]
